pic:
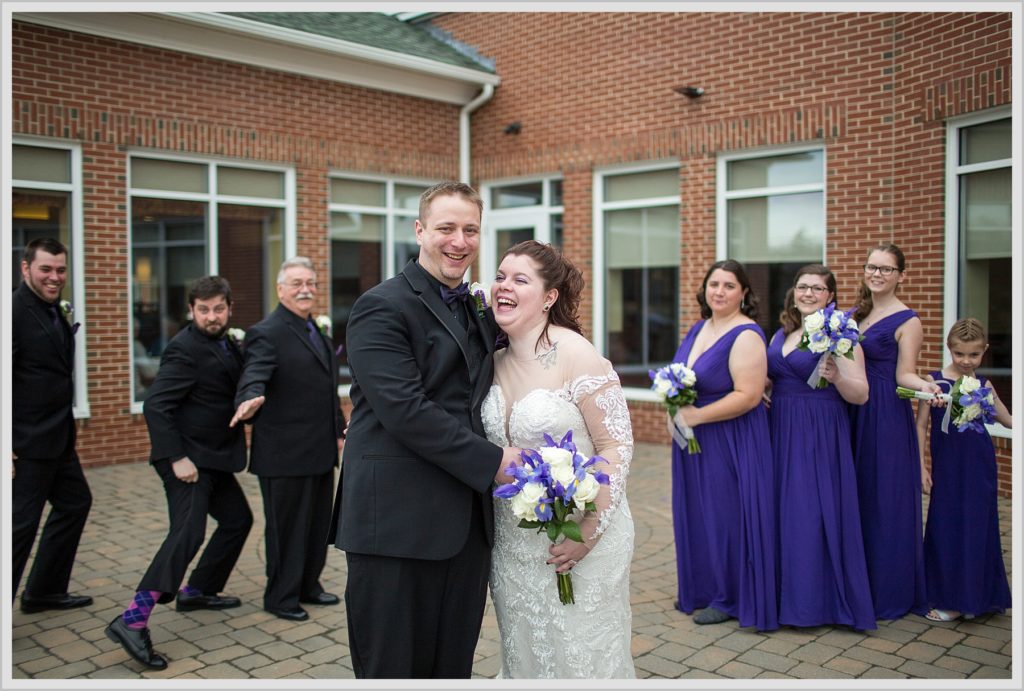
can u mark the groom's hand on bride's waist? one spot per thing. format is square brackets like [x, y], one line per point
[509, 457]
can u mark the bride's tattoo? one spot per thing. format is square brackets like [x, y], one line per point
[549, 357]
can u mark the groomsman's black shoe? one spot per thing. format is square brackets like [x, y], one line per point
[187, 603]
[321, 599]
[39, 603]
[136, 643]
[297, 614]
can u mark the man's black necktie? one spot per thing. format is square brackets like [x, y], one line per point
[459, 292]
[55, 318]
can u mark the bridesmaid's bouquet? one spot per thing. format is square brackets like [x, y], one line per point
[676, 383]
[971, 405]
[829, 332]
[554, 484]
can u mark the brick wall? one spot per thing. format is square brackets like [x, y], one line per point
[595, 89]
[110, 96]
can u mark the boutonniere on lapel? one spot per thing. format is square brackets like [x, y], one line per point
[237, 335]
[479, 292]
[68, 312]
[323, 322]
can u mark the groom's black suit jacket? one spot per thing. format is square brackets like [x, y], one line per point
[415, 457]
[191, 402]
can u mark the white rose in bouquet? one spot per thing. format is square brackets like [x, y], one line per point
[586, 491]
[524, 503]
[563, 474]
[818, 343]
[969, 385]
[843, 346]
[851, 324]
[662, 386]
[556, 457]
[814, 322]
[835, 321]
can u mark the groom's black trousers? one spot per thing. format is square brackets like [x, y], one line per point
[417, 618]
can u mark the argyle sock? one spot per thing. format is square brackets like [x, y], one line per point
[137, 615]
[189, 591]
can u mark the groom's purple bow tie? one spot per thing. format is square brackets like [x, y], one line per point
[459, 292]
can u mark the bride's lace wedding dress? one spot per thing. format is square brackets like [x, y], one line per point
[570, 387]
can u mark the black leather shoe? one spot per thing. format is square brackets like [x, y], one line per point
[39, 603]
[136, 643]
[297, 614]
[321, 599]
[187, 603]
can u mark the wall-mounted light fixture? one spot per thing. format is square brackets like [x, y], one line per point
[690, 91]
[514, 127]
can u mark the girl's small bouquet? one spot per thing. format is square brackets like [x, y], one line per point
[971, 405]
[554, 485]
[829, 332]
[676, 383]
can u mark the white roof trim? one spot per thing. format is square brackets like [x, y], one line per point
[278, 48]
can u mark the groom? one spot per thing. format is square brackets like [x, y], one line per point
[413, 510]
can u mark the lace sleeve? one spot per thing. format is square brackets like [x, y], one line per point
[596, 391]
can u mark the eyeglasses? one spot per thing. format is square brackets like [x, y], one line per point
[869, 269]
[295, 285]
[804, 288]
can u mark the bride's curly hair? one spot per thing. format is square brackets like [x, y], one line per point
[556, 271]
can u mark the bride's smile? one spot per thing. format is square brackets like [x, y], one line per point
[519, 298]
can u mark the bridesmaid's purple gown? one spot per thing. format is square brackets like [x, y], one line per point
[889, 479]
[823, 575]
[962, 554]
[722, 501]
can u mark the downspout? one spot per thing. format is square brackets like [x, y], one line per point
[464, 148]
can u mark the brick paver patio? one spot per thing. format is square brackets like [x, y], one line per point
[128, 521]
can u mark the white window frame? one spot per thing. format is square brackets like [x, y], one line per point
[212, 199]
[77, 234]
[954, 170]
[724, 195]
[389, 211]
[537, 215]
[599, 206]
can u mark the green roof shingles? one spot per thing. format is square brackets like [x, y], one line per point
[371, 29]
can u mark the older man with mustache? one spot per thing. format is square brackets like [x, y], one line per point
[289, 387]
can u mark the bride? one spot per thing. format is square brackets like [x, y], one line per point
[551, 379]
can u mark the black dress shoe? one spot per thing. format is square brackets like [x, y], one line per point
[39, 603]
[135, 642]
[187, 603]
[321, 599]
[297, 614]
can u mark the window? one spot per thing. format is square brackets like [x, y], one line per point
[771, 217]
[373, 237]
[637, 244]
[979, 209]
[517, 211]
[46, 199]
[190, 218]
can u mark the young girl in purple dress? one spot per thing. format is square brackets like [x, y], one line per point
[962, 553]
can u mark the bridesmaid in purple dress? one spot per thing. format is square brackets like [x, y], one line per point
[823, 578]
[722, 497]
[963, 557]
[885, 449]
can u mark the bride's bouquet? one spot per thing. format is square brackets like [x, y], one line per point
[971, 405]
[830, 332]
[554, 484]
[677, 385]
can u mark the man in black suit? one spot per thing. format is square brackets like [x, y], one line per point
[46, 466]
[196, 454]
[290, 384]
[414, 504]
